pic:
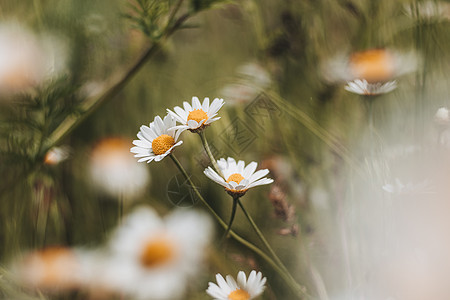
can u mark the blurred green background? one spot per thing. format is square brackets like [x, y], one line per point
[306, 130]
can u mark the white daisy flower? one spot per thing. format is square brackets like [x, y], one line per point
[157, 140]
[114, 171]
[362, 87]
[154, 258]
[243, 289]
[373, 65]
[197, 116]
[239, 178]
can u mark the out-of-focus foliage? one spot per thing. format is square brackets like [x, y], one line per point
[148, 16]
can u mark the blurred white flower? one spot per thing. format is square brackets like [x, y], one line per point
[255, 73]
[239, 178]
[373, 65]
[157, 140]
[154, 258]
[239, 93]
[50, 269]
[442, 116]
[362, 87]
[197, 116]
[56, 155]
[113, 169]
[26, 60]
[252, 79]
[243, 289]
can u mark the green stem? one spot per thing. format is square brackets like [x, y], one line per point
[120, 209]
[233, 213]
[299, 290]
[261, 237]
[208, 151]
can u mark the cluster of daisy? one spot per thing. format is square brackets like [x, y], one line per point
[157, 140]
[160, 138]
[147, 257]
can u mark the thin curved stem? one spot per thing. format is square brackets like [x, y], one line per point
[261, 236]
[299, 290]
[208, 151]
[233, 213]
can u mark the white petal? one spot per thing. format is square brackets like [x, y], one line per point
[244, 182]
[260, 182]
[231, 283]
[258, 174]
[211, 174]
[233, 185]
[139, 150]
[196, 103]
[193, 124]
[205, 105]
[159, 126]
[148, 159]
[177, 133]
[187, 107]
[216, 292]
[240, 167]
[177, 116]
[168, 122]
[249, 170]
[139, 155]
[231, 162]
[148, 134]
[223, 284]
[215, 106]
[181, 112]
[222, 163]
[241, 279]
[209, 121]
[160, 157]
[142, 143]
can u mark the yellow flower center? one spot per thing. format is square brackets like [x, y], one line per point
[197, 115]
[239, 295]
[157, 252]
[372, 65]
[162, 143]
[236, 177]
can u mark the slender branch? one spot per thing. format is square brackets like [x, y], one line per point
[299, 290]
[174, 11]
[92, 104]
[208, 151]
